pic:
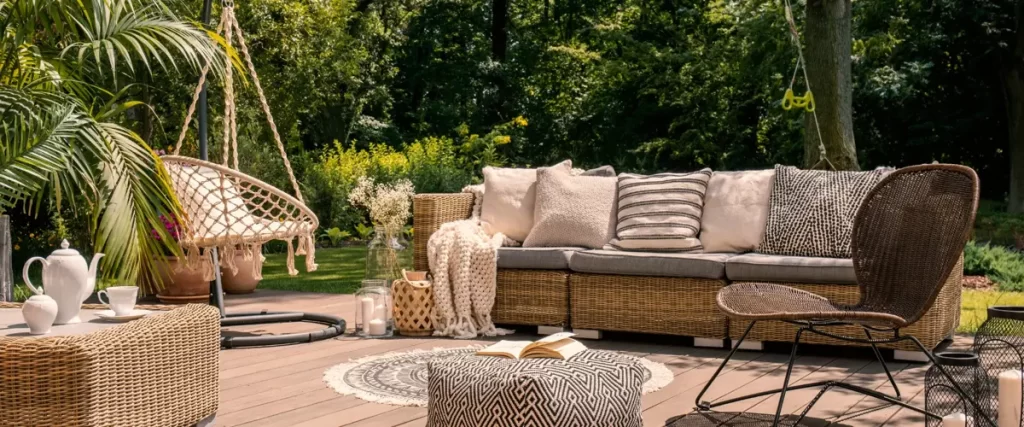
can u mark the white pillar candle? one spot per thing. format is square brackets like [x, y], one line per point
[1009, 398]
[366, 306]
[955, 420]
[379, 313]
[377, 327]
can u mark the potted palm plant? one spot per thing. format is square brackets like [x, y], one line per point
[181, 283]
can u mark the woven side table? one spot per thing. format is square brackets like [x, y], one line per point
[594, 388]
[161, 370]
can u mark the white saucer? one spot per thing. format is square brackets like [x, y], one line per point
[109, 315]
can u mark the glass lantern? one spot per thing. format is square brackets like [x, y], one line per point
[373, 310]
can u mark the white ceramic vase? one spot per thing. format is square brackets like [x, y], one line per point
[39, 311]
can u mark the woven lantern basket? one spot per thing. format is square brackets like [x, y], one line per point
[413, 297]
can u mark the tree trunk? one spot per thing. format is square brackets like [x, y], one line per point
[1015, 119]
[499, 29]
[829, 68]
[1013, 82]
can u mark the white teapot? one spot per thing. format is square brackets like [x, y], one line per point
[66, 279]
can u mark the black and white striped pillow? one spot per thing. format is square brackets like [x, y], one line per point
[660, 213]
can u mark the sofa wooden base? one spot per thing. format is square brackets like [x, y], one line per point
[646, 304]
[550, 330]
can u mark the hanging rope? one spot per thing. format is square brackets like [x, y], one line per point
[231, 30]
[806, 101]
[195, 95]
[229, 92]
[266, 110]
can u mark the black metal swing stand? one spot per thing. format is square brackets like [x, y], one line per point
[814, 327]
[334, 326]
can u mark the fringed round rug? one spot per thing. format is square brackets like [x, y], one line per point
[401, 378]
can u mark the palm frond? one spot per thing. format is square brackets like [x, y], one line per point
[135, 194]
[115, 33]
[33, 151]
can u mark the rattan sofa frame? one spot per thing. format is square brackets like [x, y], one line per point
[609, 302]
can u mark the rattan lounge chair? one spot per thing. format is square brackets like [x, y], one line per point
[908, 235]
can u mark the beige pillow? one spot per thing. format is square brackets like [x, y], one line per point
[572, 210]
[509, 200]
[735, 210]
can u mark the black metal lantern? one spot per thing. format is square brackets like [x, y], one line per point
[999, 344]
[941, 397]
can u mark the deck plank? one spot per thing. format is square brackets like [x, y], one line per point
[283, 385]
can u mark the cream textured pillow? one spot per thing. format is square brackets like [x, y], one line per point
[573, 210]
[509, 200]
[735, 210]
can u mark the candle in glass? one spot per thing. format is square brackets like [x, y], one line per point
[956, 420]
[377, 327]
[367, 310]
[1009, 398]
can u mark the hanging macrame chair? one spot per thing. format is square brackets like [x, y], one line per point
[226, 209]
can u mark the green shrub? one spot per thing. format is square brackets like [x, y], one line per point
[997, 226]
[1003, 266]
[433, 165]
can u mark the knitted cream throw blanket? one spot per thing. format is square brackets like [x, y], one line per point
[464, 260]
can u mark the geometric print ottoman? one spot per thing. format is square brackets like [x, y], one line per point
[592, 389]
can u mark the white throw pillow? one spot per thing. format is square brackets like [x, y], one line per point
[735, 210]
[509, 201]
[572, 210]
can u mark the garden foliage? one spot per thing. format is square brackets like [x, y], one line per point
[1003, 266]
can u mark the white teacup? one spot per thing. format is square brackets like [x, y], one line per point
[120, 299]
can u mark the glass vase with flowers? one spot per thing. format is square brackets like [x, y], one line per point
[389, 206]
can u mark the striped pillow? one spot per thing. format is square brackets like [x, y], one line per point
[660, 213]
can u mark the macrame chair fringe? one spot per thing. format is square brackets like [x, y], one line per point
[226, 209]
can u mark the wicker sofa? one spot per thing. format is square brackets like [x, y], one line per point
[655, 292]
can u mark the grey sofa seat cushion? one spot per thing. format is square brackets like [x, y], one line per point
[755, 267]
[535, 258]
[698, 266]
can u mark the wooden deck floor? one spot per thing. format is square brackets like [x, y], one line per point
[282, 386]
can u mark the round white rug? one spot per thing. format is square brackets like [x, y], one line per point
[401, 378]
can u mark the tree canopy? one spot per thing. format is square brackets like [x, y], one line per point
[642, 85]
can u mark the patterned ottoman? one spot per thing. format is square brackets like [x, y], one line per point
[593, 389]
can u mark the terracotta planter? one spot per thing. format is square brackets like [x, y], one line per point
[244, 282]
[182, 285]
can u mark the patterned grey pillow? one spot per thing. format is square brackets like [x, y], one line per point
[811, 212]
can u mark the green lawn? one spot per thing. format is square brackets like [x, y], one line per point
[975, 304]
[340, 271]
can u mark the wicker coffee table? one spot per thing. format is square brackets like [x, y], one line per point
[161, 370]
[594, 388]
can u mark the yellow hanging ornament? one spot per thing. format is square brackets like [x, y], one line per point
[791, 101]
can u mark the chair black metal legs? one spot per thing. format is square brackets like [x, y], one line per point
[885, 366]
[827, 385]
[706, 406]
[789, 372]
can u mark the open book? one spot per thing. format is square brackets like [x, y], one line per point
[555, 346]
